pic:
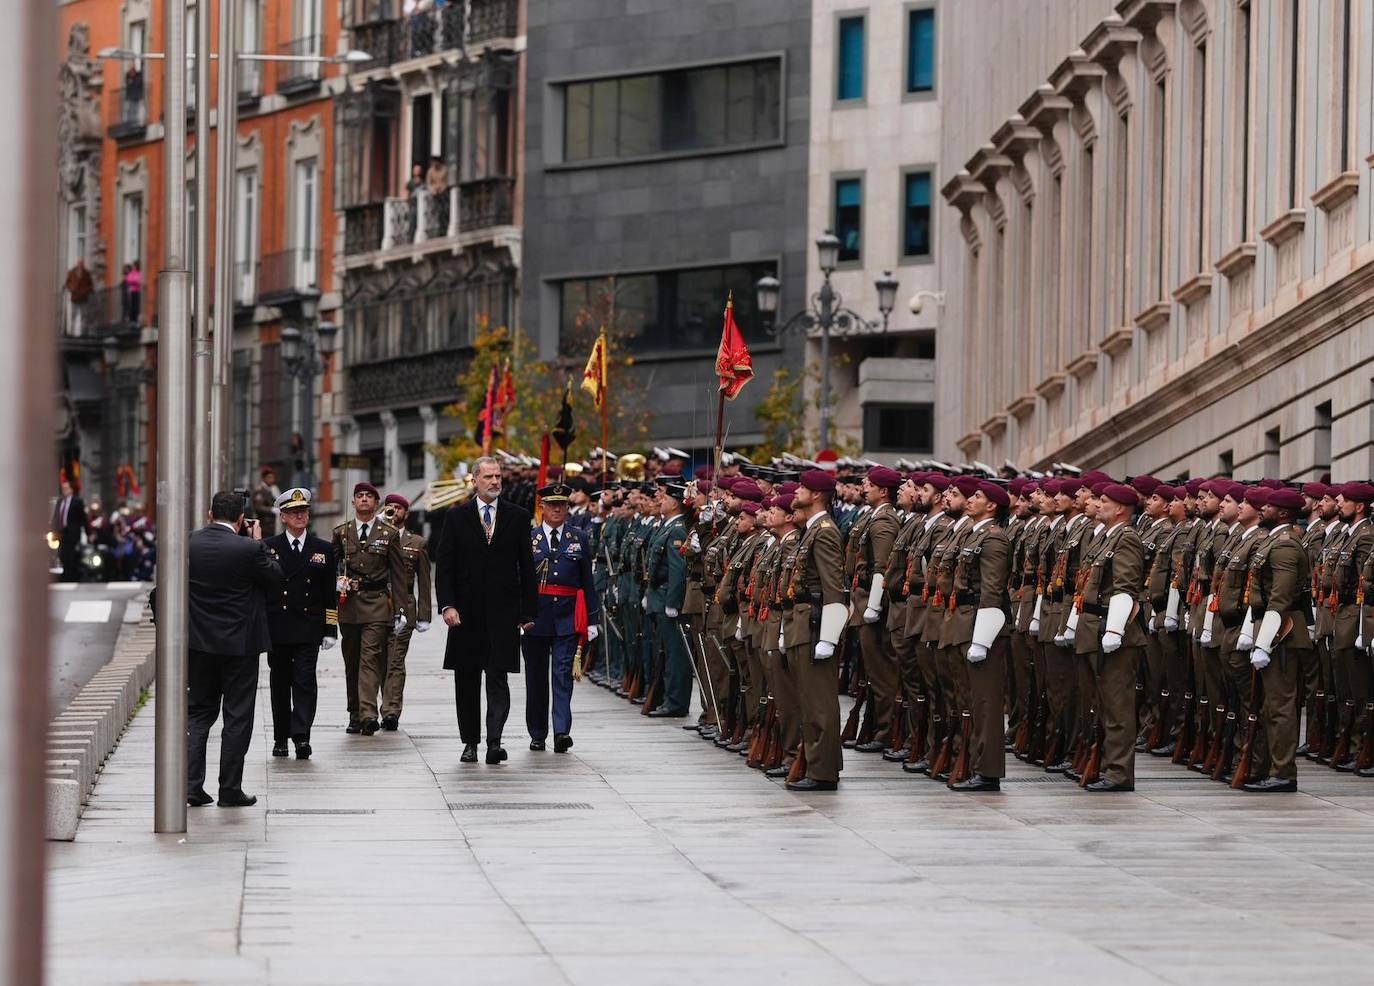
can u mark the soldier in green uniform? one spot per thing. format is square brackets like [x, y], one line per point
[1345, 603]
[870, 597]
[1233, 602]
[667, 576]
[372, 601]
[419, 594]
[898, 592]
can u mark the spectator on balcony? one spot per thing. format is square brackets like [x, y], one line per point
[133, 292]
[79, 287]
[133, 87]
[417, 180]
[420, 26]
[436, 180]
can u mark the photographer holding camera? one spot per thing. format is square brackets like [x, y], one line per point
[231, 576]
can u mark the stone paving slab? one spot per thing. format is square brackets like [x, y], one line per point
[648, 856]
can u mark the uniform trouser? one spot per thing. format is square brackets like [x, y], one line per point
[394, 674]
[615, 667]
[782, 685]
[744, 708]
[1214, 681]
[909, 670]
[820, 713]
[1085, 690]
[987, 689]
[1360, 691]
[1059, 692]
[1022, 667]
[548, 660]
[1175, 648]
[648, 650]
[677, 664]
[1314, 669]
[928, 660]
[1115, 675]
[227, 683]
[364, 654]
[1244, 701]
[758, 683]
[717, 676]
[291, 677]
[467, 696]
[880, 667]
[1279, 713]
[1156, 680]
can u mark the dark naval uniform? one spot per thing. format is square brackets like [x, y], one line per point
[667, 570]
[563, 564]
[299, 621]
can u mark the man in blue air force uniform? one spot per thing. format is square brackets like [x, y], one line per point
[569, 616]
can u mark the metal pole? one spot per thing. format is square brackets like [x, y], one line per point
[226, 290]
[28, 330]
[174, 518]
[200, 357]
[827, 317]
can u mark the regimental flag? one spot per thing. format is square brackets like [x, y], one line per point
[485, 419]
[734, 365]
[563, 430]
[491, 420]
[595, 375]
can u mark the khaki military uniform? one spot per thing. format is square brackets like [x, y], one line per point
[918, 587]
[372, 579]
[419, 587]
[874, 540]
[903, 647]
[1343, 604]
[815, 584]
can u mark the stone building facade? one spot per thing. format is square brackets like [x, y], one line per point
[1158, 243]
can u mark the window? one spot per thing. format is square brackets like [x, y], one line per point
[1272, 447]
[668, 310]
[250, 20]
[1321, 451]
[1343, 161]
[243, 416]
[916, 218]
[673, 112]
[847, 218]
[1161, 162]
[76, 233]
[1199, 84]
[920, 50]
[849, 59]
[1226, 463]
[138, 41]
[899, 427]
[305, 192]
[1290, 107]
[190, 62]
[1243, 115]
[131, 228]
[245, 235]
[415, 461]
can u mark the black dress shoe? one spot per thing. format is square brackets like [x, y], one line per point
[921, 766]
[1305, 750]
[978, 783]
[279, 748]
[708, 732]
[1347, 767]
[353, 727]
[735, 747]
[872, 746]
[370, 726]
[810, 784]
[198, 798]
[303, 750]
[1105, 786]
[562, 743]
[537, 746]
[469, 753]
[391, 723]
[1365, 772]
[849, 744]
[666, 713]
[495, 754]
[637, 701]
[895, 756]
[1073, 775]
[781, 770]
[694, 727]
[1166, 750]
[1059, 767]
[236, 799]
[1272, 785]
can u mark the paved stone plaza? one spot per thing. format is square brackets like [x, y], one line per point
[647, 856]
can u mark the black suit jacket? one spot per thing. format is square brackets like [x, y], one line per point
[232, 577]
[69, 534]
[492, 586]
[300, 615]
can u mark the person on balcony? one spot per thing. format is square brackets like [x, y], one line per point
[133, 292]
[80, 287]
[436, 179]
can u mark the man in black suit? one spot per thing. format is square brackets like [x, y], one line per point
[302, 618]
[68, 524]
[485, 584]
[232, 578]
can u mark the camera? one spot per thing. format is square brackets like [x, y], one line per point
[245, 494]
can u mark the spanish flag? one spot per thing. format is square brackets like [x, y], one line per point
[594, 376]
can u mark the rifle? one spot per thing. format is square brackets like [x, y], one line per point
[772, 749]
[710, 688]
[1197, 756]
[1365, 759]
[798, 770]
[1184, 742]
[919, 727]
[1021, 742]
[1341, 751]
[762, 723]
[940, 765]
[869, 718]
[1226, 747]
[1242, 773]
[1092, 763]
[655, 680]
[1159, 734]
[1316, 726]
[960, 771]
[896, 733]
[848, 737]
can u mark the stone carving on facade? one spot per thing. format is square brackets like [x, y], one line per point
[79, 138]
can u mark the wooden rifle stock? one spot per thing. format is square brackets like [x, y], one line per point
[1242, 774]
[940, 765]
[1227, 747]
[1197, 756]
[896, 733]
[1187, 727]
[960, 771]
[798, 770]
[763, 727]
[918, 730]
[851, 724]
[1365, 759]
[870, 720]
[1340, 753]
[1159, 732]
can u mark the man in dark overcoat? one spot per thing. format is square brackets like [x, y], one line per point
[487, 594]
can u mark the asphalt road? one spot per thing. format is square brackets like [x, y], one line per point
[85, 620]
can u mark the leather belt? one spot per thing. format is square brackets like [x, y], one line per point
[1095, 609]
[373, 585]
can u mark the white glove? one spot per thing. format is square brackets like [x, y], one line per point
[327, 643]
[669, 612]
[1034, 626]
[593, 632]
[1205, 638]
[781, 645]
[695, 542]
[422, 626]
[1069, 634]
[1245, 642]
[1359, 641]
[643, 602]
[1111, 642]
[1259, 659]
[1170, 623]
[399, 624]
[1060, 640]
[976, 653]
[824, 650]
[871, 615]
[1150, 624]
[739, 632]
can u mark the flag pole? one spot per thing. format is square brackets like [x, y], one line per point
[720, 402]
[605, 420]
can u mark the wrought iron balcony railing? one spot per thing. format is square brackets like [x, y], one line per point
[492, 20]
[288, 274]
[295, 77]
[486, 202]
[128, 111]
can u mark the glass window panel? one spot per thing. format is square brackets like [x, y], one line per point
[848, 218]
[916, 238]
[604, 112]
[768, 100]
[849, 73]
[920, 56]
[577, 122]
[741, 104]
[898, 427]
[639, 115]
[706, 100]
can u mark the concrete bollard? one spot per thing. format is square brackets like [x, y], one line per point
[63, 808]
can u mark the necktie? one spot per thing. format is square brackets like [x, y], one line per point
[296, 546]
[363, 536]
[486, 520]
[553, 541]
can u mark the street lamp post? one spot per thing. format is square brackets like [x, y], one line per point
[307, 358]
[827, 314]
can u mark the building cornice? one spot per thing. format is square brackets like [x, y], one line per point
[1075, 75]
[1337, 190]
[1284, 228]
[1144, 14]
[963, 192]
[1044, 108]
[1111, 41]
[1015, 137]
[988, 166]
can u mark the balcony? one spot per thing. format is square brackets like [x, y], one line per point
[400, 223]
[108, 311]
[128, 112]
[249, 84]
[299, 78]
[245, 283]
[492, 20]
[287, 276]
[379, 28]
[486, 202]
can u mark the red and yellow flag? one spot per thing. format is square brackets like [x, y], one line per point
[734, 365]
[594, 376]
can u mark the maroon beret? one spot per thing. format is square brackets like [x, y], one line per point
[750, 507]
[702, 472]
[1315, 489]
[966, 485]
[1286, 499]
[1093, 476]
[1271, 484]
[1180, 492]
[1017, 485]
[1144, 485]
[885, 478]
[1194, 486]
[784, 501]
[936, 479]
[995, 492]
[1358, 492]
[1256, 496]
[789, 487]
[703, 486]
[1163, 491]
[397, 499]
[747, 489]
[1121, 493]
[365, 487]
[818, 481]
[1100, 487]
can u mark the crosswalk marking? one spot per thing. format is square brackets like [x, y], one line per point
[133, 610]
[89, 611]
